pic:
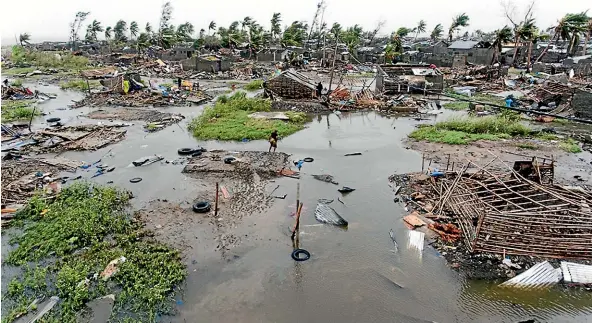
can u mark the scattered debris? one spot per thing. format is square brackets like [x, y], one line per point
[538, 276]
[155, 120]
[325, 178]
[326, 214]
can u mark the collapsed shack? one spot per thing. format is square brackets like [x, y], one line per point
[516, 211]
[155, 120]
[127, 90]
[405, 78]
[291, 84]
[244, 164]
[21, 177]
[82, 137]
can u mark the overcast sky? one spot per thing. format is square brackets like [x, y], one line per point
[49, 19]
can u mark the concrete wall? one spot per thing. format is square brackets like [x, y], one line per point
[204, 65]
[582, 104]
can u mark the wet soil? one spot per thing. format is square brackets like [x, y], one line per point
[158, 120]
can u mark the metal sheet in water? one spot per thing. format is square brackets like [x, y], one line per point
[576, 273]
[327, 214]
[416, 240]
[538, 276]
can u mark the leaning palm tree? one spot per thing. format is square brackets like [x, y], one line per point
[572, 22]
[502, 36]
[134, 29]
[246, 22]
[212, 26]
[24, 38]
[437, 32]
[420, 28]
[148, 28]
[461, 20]
[108, 34]
[276, 28]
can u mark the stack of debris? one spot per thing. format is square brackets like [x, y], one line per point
[155, 120]
[84, 137]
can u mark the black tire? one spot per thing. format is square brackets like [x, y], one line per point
[185, 151]
[297, 252]
[136, 180]
[229, 160]
[308, 159]
[52, 120]
[196, 153]
[202, 207]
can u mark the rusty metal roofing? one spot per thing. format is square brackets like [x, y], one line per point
[538, 276]
[576, 273]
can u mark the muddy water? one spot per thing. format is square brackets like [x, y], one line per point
[354, 275]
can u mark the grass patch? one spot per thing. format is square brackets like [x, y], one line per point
[229, 119]
[17, 110]
[16, 83]
[461, 131]
[254, 85]
[560, 121]
[51, 59]
[75, 236]
[526, 145]
[79, 85]
[456, 105]
[570, 145]
[17, 70]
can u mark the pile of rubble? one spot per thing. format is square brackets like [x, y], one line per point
[58, 139]
[483, 217]
[155, 120]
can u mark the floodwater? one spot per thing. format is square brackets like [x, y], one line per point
[354, 274]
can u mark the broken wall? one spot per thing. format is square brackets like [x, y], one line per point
[582, 104]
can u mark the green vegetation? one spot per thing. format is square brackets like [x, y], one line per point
[17, 70]
[16, 83]
[460, 131]
[65, 60]
[75, 236]
[560, 121]
[229, 119]
[17, 110]
[79, 85]
[480, 97]
[254, 85]
[527, 145]
[571, 146]
[457, 105]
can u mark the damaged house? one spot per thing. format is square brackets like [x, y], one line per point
[206, 63]
[407, 78]
[471, 51]
[291, 84]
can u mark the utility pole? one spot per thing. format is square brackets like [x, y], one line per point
[333, 64]
[314, 20]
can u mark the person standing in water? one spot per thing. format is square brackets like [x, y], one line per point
[273, 140]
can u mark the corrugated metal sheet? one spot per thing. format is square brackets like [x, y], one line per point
[576, 273]
[538, 276]
[416, 239]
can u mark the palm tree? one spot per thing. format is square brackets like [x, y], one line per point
[420, 28]
[143, 42]
[148, 28]
[108, 33]
[24, 38]
[437, 32]
[212, 26]
[502, 36]
[184, 31]
[119, 31]
[403, 32]
[461, 20]
[276, 29]
[588, 35]
[570, 23]
[134, 29]
[246, 22]
[92, 31]
[202, 33]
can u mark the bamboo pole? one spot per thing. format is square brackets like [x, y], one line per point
[216, 202]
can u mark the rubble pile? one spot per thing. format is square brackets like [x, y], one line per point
[486, 214]
[155, 120]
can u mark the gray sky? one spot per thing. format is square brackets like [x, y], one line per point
[49, 19]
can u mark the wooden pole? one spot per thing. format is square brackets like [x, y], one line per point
[216, 203]
[88, 86]
[422, 161]
[333, 64]
[448, 162]
[297, 195]
[297, 224]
